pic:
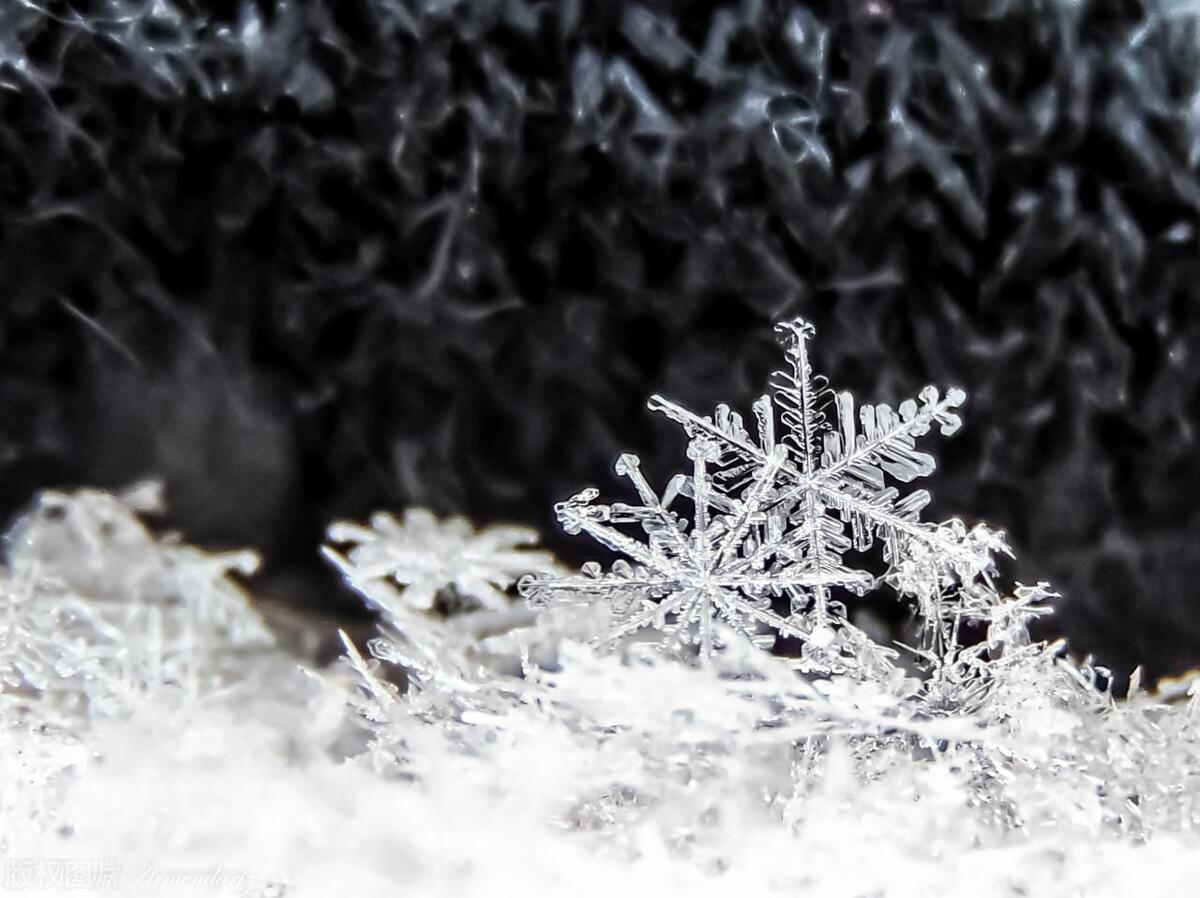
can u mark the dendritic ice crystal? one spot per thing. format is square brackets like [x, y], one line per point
[783, 516]
[425, 557]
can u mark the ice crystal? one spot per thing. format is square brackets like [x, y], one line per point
[441, 589]
[785, 512]
[426, 556]
[99, 611]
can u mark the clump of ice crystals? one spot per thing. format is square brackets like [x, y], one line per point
[106, 627]
[99, 610]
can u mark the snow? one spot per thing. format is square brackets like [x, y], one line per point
[634, 735]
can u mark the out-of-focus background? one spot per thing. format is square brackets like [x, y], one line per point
[309, 259]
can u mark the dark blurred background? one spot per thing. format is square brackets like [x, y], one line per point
[310, 259]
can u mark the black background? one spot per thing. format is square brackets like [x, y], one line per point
[305, 260]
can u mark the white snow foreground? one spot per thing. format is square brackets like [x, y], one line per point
[129, 771]
[662, 807]
[591, 774]
[631, 737]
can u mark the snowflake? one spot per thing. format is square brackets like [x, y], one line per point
[425, 556]
[773, 517]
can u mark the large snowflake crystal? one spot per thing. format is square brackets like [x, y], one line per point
[778, 517]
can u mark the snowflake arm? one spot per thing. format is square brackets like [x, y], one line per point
[887, 441]
[800, 395]
[848, 474]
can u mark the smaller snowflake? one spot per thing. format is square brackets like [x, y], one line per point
[426, 556]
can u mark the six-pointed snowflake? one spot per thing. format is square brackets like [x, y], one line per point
[775, 513]
[424, 555]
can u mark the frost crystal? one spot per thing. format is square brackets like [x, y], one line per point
[785, 513]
